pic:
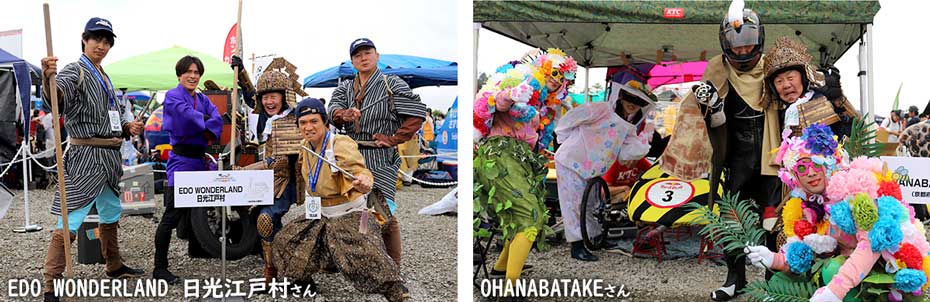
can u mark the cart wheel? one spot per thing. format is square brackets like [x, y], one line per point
[593, 202]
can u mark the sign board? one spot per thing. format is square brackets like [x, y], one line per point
[913, 176]
[195, 189]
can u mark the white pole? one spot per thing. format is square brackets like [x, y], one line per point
[864, 89]
[586, 73]
[219, 167]
[27, 226]
[869, 70]
[474, 88]
[26, 164]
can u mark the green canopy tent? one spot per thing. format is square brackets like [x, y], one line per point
[155, 70]
[600, 33]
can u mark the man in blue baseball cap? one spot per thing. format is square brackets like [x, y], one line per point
[94, 120]
[379, 112]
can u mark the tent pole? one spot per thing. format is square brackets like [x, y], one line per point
[27, 225]
[869, 74]
[474, 85]
[587, 98]
[26, 166]
[865, 88]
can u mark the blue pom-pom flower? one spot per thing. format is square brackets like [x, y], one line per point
[800, 257]
[885, 235]
[841, 216]
[508, 66]
[909, 280]
[522, 113]
[889, 207]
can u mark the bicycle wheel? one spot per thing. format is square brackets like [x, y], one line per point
[593, 202]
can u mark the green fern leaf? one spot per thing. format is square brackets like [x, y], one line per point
[861, 140]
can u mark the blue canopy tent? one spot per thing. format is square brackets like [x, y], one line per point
[416, 71]
[16, 77]
[134, 96]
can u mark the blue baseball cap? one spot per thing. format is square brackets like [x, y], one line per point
[99, 24]
[359, 43]
[311, 106]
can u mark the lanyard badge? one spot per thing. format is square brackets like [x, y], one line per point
[312, 206]
[113, 111]
[107, 86]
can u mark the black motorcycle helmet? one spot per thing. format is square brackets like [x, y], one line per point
[748, 30]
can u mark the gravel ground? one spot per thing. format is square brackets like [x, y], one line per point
[643, 277]
[428, 260]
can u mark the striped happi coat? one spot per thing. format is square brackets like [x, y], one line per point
[383, 162]
[87, 169]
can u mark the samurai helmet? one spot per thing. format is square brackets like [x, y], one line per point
[789, 54]
[274, 81]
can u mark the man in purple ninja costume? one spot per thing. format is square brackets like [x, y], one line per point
[191, 121]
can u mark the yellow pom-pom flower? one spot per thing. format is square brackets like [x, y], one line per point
[790, 214]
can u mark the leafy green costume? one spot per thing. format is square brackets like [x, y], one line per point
[509, 188]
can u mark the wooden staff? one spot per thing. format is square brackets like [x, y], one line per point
[53, 93]
[235, 91]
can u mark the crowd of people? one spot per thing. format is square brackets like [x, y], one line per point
[898, 121]
[353, 229]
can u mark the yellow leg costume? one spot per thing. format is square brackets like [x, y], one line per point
[513, 256]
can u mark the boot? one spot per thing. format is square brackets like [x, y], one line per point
[109, 247]
[391, 235]
[397, 293]
[309, 284]
[55, 261]
[736, 279]
[581, 253]
[165, 274]
[270, 270]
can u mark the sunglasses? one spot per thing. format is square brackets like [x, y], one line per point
[807, 167]
[557, 74]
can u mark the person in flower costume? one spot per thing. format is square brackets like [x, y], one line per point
[852, 220]
[515, 114]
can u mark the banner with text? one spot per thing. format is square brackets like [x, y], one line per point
[194, 189]
[913, 175]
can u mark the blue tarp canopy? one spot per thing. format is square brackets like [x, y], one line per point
[416, 71]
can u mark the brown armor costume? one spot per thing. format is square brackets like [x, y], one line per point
[280, 151]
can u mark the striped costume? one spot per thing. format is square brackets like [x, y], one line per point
[87, 169]
[380, 118]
